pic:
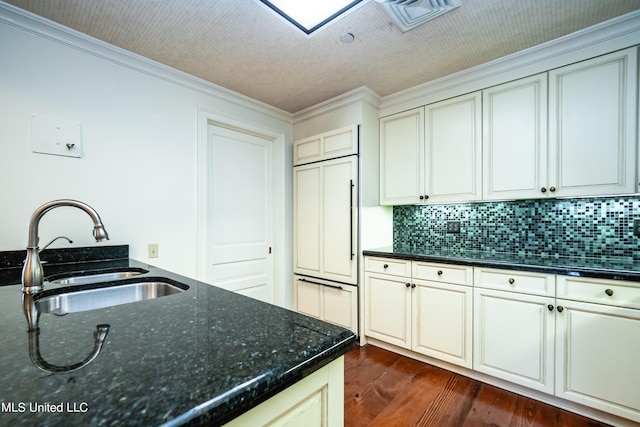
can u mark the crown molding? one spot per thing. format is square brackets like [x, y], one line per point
[608, 36]
[41, 27]
[361, 94]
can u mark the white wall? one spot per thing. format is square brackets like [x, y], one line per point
[140, 138]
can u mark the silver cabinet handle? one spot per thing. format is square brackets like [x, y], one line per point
[321, 284]
[351, 218]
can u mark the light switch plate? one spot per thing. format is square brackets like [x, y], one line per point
[57, 137]
[154, 250]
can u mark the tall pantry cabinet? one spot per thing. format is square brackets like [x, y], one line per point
[325, 216]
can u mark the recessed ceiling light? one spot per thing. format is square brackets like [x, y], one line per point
[309, 16]
[347, 38]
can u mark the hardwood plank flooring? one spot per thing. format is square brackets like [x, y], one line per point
[386, 389]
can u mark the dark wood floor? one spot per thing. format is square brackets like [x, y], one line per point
[385, 389]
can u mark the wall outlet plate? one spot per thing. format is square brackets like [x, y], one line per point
[453, 226]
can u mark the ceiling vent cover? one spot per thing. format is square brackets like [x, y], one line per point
[408, 14]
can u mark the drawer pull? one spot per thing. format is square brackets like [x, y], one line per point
[609, 292]
[550, 307]
[385, 266]
[512, 280]
[321, 284]
[413, 286]
[560, 309]
[408, 285]
[439, 272]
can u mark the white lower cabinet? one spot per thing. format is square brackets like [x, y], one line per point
[514, 326]
[443, 321]
[315, 401]
[336, 303]
[597, 345]
[514, 337]
[387, 308]
[580, 342]
[573, 337]
[431, 317]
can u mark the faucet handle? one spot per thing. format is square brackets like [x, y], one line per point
[59, 237]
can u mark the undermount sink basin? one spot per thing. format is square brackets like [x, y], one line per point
[108, 296]
[109, 276]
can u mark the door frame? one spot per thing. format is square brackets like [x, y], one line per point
[207, 117]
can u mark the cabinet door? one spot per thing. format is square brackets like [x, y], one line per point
[401, 156]
[308, 297]
[442, 321]
[453, 153]
[515, 139]
[341, 306]
[339, 220]
[592, 126]
[387, 308]
[514, 337]
[325, 219]
[597, 350]
[315, 401]
[307, 187]
[325, 146]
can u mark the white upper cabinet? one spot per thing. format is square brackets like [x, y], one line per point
[401, 157]
[324, 146]
[592, 126]
[432, 153]
[515, 139]
[568, 132]
[453, 153]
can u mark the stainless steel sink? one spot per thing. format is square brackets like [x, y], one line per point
[99, 277]
[107, 296]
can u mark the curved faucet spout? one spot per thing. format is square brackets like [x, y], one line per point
[32, 272]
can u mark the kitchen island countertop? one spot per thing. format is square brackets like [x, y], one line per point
[203, 357]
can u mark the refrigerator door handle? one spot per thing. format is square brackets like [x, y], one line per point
[321, 284]
[351, 218]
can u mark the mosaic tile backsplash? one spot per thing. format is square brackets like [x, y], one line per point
[578, 228]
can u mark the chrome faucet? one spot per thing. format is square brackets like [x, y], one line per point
[32, 272]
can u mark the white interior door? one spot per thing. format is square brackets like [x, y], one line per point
[240, 223]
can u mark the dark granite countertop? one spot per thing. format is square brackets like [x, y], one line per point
[599, 268]
[203, 356]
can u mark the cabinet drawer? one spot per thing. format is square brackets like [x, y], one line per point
[601, 291]
[445, 273]
[396, 267]
[324, 146]
[516, 281]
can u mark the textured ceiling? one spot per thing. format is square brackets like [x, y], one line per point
[240, 45]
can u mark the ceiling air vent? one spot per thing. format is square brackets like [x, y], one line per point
[408, 14]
